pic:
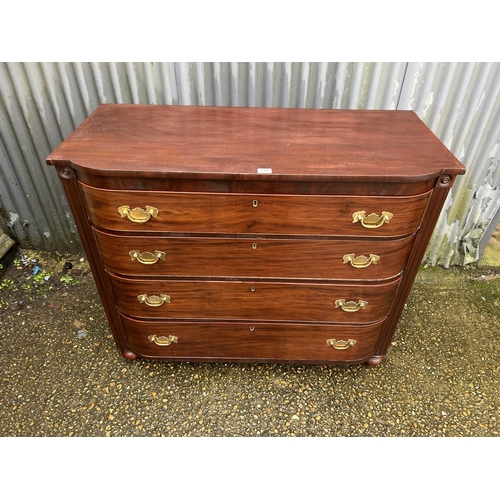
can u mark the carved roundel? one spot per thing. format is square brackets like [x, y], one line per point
[66, 172]
[445, 180]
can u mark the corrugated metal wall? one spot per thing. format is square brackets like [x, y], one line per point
[42, 103]
[460, 103]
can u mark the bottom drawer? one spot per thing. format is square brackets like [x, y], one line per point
[252, 342]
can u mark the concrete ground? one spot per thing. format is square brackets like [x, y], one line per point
[61, 374]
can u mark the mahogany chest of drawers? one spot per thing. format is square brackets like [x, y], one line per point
[254, 234]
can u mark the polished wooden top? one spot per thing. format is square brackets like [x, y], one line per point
[237, 143]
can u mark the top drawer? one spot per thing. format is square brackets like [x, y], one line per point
[322, 215]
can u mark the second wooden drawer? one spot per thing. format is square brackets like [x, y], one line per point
[252, 257]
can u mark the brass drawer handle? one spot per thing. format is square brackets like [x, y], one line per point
[361, 261]
[153, 300]
[373, 220]
[351, 306]
[163, 340]
[147, 257]
[138, 215]
[341, 344]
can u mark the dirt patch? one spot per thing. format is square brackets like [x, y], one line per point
[28, 278]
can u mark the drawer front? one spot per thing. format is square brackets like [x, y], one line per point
[251, 257]
[251, 342]
[253, 300]
[254, 214]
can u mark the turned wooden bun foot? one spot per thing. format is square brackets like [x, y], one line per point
[375, 360]
[129, 355]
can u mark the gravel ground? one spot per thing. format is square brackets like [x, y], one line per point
[62, 375]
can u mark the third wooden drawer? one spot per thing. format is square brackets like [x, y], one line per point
[253, 300]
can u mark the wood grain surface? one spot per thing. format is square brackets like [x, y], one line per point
[237, 213]
[265, 185]
[224, 142]
[253, 257]
[252, 342]
[273, 301]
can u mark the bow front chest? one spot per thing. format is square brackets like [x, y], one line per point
[254, 234]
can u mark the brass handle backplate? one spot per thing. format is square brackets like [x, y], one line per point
[153, 300]
[360, 261]
[371, 221]
[138, 215]
[147, 257]
[350, 306]
[341, 344]
[163, 340]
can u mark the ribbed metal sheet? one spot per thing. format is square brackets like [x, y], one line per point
[460, 103]
[42, 103]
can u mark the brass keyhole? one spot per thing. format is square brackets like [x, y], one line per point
[255, 203]
[252, 289]
[254, 245]
[252, 328]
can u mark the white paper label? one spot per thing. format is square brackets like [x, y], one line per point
[264, 170]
